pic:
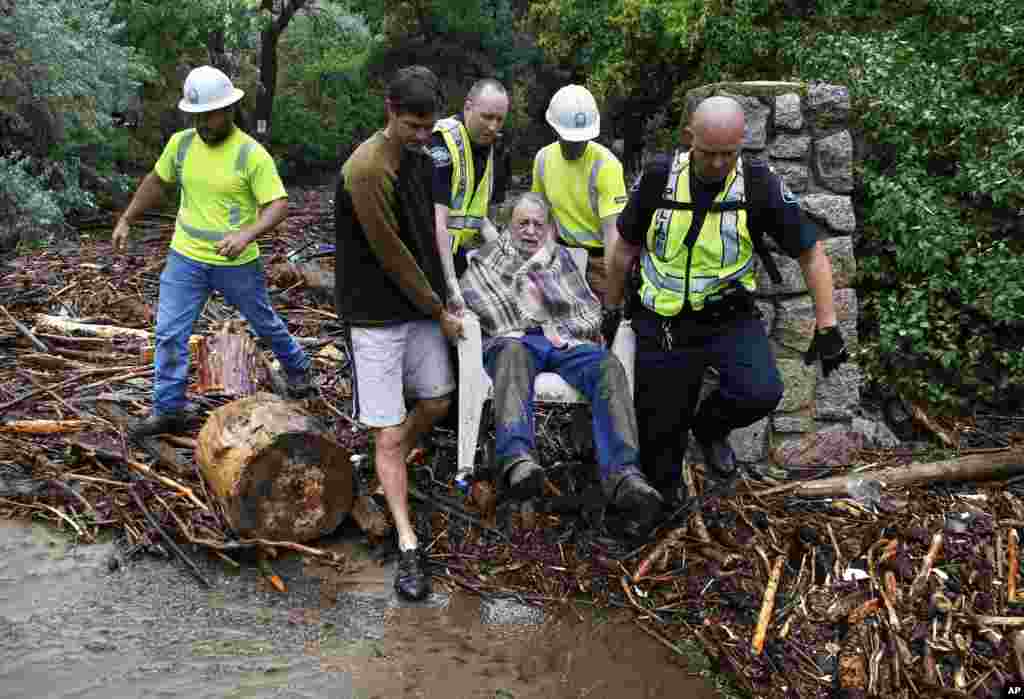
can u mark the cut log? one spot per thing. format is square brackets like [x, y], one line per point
[275, 468]
[65, 326]
[229, 362]
[973, 467]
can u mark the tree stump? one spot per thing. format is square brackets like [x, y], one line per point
[229, 362]
[275, 468]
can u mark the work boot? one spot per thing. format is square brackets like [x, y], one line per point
[160, 423]
[719, 457]
[639, 504]
[411, 580]
[521, 481]
[300, 386]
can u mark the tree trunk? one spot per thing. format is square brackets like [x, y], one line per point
[268, 77]
[276, 470]
[973, 467]
[269, 37]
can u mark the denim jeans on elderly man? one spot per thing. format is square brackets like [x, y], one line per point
[513, 365]
[185, 285]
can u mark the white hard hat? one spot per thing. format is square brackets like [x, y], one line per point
[573, 114]
[208, 89]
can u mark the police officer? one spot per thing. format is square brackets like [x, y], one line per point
[462, 147]
[694, 222]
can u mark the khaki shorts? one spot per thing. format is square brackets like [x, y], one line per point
[394, 362]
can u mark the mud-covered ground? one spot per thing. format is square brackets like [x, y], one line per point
[72, 627]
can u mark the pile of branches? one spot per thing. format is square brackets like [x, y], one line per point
[76, 328]
[876, 583]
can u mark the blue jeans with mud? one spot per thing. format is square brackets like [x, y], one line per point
[185, 285]
[513, 365]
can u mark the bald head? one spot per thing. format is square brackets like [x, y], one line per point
[715, 133]
[718, 112]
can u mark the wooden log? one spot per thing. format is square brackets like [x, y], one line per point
[310, 274]
[229, 362]
[973, 467]
[921, 581]
[42, 426]
[277, 470]
[1012, 566]
[767, 607]
[65, 326]
[1017, 649]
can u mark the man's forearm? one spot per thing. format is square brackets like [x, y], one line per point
[444, 243]
[149, 194]
[817, 271]
[270, 217]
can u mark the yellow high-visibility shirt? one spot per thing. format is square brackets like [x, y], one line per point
[222, 190]
[582, 192]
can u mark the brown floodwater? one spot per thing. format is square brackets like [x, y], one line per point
[69, 627]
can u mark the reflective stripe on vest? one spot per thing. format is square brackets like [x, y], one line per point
[579, 239]
[665, 256]
[234, 213]
[469, 200]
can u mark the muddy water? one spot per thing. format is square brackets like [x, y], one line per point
[71, 628]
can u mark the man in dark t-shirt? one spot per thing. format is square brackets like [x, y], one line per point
[390, 292]
[693, 223]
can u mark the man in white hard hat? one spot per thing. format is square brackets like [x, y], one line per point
[231, 194]
[582, 179]
[462, 147]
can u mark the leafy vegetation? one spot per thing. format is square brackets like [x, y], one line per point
[937, 88]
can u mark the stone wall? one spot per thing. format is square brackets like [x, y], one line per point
[802, 130]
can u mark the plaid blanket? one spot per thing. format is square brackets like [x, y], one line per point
[547, 291]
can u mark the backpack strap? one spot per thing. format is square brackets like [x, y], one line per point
[755, 185]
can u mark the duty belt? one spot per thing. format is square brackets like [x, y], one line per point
[735, 302]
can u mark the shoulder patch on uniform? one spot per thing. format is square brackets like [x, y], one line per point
[441, 156]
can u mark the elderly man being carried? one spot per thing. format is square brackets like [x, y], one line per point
[538, 314]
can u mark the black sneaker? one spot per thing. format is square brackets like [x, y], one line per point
[411, 580]
[164, 423]
[719, 457]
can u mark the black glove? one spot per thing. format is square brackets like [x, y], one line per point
[610, 319]
[828, 346]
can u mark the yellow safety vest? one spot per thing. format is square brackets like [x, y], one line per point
[467, 207]
[556, 191]
[722, 251]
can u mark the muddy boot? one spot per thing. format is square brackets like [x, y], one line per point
[411, 580]
[300, 386]
[521, 481]
[639, 505]
[160, 423]
[718, 457]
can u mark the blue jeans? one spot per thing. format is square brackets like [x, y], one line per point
[513, 364]
[185, 284]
